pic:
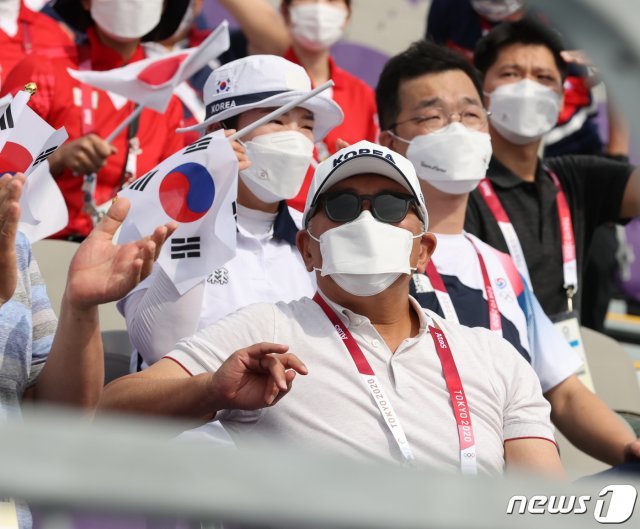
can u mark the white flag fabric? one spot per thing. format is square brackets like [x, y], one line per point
[10, 110]
[26, 140]
[151, 82]
[43, 211]
[196, 187]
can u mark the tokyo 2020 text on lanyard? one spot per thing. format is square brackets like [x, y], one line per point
[569, 263]
[468, 463]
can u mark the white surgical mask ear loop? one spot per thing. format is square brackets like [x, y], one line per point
[396, 137]
[415, 268]
[318, 241]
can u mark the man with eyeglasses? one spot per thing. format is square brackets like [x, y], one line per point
[384, 380]
[430, 107]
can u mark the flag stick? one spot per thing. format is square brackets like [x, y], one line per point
[125, 122]
[282, 110]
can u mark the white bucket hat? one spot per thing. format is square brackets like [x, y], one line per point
[260, 81]
[364, 157]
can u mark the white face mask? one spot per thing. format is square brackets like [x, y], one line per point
[453, 159]
[365, 256]
[9, 11]
[497, 10]
[317, 26]
[279, 163]
[525, 111]
[126, 19]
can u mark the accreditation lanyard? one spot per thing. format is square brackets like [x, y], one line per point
[468, 463]
[569, 262]
[444, 299]
[90, 181]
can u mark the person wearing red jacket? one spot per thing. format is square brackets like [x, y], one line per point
[24, 32]
[315, 27]
[114, 29]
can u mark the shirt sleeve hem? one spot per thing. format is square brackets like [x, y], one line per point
[186, 363]
[532, 437]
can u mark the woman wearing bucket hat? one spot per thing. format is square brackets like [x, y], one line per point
[114, 30]
[267, 266]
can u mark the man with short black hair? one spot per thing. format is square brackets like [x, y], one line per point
[543, 212]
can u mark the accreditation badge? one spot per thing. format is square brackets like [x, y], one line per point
[8, 514]
[569, 327]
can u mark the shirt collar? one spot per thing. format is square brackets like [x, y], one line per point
[502, 176]
[349, 318]
[105, 58]
[284, 227]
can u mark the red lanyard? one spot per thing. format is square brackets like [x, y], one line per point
[569, 262]
[468, 463]
[495, 320]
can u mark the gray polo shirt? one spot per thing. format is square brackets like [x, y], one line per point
[331, 409]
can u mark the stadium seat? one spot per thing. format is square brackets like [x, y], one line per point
[53, 258]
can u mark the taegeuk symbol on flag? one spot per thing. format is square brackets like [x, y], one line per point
[195, 187]
[151, 82]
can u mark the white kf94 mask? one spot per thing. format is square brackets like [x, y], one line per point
[365, 256]
[126, 19]
[453, 159]
[525, 111]
[317, 26]
[279, 163]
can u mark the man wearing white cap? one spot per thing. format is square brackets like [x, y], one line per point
[267, 266]
[381, 373]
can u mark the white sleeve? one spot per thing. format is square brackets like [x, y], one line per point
[526, 412]
[158, 316]
[552, 358]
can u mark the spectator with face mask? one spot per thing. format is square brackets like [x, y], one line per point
[114, 29]
[431, 110]
[459, 24]
[274, 160]
[316, 25]
[542, 211]
[385, 371]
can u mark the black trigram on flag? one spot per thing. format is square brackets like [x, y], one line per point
[142, 182]
[199, 145]
[6, 120]
[182, 248]
[44, 155]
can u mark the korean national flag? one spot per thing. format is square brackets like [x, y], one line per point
[197, 188]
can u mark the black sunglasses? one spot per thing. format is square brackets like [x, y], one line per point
[386, 206]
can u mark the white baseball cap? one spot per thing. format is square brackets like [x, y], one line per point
[364, 157]
[260, 81]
